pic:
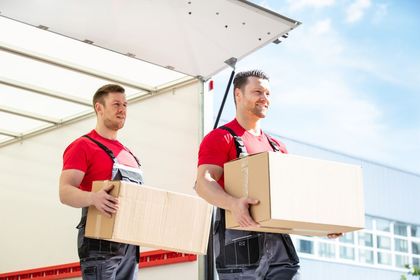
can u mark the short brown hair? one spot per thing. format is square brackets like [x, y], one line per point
[241, 79]
[103, 91]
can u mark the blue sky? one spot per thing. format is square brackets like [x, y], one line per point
[347, 79]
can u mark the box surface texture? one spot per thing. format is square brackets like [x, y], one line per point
[153, 218]
[297, 195]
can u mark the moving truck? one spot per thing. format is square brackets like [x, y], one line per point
[55, 54]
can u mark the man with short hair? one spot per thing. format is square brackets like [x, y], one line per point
[98, 155]
[243, 254]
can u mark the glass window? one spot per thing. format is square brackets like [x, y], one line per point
[400, 229]
[346, 252]
[384, 242]
[326, 250]
[416, 261]
[401, 245]
[366, 256]
[306, 246]
[415, 247]
[347, 238]
[415, 231]
[401, 260]
[368, 222]
[384, 258]
[383, 225]
[365, 239]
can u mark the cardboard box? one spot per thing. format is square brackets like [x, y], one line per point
[153, 218]
[297, 195]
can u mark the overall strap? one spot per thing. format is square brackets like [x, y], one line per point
[239, 143]
[273, 144]
[103, 147]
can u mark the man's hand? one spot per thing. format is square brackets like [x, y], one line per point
[240, 210]
[334, 235]
[104, 202]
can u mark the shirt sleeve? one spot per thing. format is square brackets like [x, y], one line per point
[215, 148]
[75, 156]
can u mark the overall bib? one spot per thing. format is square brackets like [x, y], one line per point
[102, 259]
[252, 255]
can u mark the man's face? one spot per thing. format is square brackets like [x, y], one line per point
[253, 98]
[114, 110]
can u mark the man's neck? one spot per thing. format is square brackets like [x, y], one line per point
[106, 133]
[252, 125]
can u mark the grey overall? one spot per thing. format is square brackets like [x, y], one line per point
[252, 255]
[102, 259]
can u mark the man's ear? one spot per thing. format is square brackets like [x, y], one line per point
[237, 92]
[98, 107]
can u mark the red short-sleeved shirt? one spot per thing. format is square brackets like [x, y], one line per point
[85, 155]
[218, 147]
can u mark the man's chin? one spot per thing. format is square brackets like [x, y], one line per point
[261, 114]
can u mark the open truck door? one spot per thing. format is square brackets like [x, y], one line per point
[161, 51]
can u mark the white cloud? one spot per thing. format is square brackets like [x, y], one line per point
[322, 27]
[356, 10]
[301, 4]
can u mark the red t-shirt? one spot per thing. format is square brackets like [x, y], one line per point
[218, 147]
[85, 155]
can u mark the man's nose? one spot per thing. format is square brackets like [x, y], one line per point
[265, 97]
[122, 108]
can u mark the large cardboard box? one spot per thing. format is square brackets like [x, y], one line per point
[297, 195]
[153, 218]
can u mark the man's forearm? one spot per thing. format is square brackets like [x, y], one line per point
[214, 194]
[75, 197]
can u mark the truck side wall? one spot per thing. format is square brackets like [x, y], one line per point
[164, 131]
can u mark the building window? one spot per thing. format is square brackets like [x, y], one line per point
[384, 242]
[384, 258]
[365, 239]
[401, 245]
[400, 229]
[383, 225]
[416, 261]
[326, 250]
[368, 222]
[306, 246]
[401, 260]
[415, 247]
[366, 256]
[415, 231]
[347, 238]
[347, 252]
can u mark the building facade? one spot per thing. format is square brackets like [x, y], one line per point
[391, 238]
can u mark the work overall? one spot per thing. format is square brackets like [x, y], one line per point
[102, 259]
[252, 255]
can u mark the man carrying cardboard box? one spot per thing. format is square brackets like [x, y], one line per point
[98, 155]
[243, 254]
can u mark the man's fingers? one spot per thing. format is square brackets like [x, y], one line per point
[111, 205]
[252, 201]
[112, 199]
[247, 221]
[106, 208]
[108, 188]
